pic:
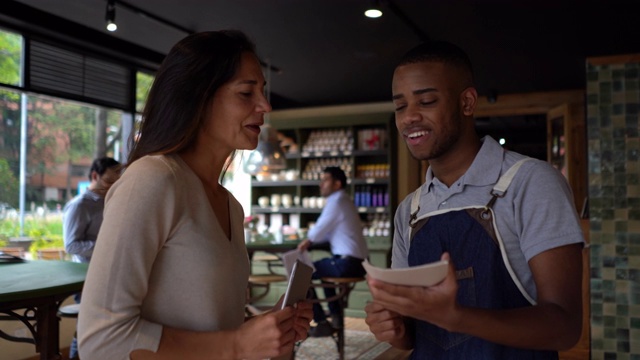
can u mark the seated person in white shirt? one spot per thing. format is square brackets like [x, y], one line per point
[339, 225]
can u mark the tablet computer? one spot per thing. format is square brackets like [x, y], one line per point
[299, 282]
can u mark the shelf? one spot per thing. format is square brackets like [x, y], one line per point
[372, 210]
[300, 210]
[325, 154]
[369, 181]
[293, 183]
[270, 183]
[283, 210]
[363, 169]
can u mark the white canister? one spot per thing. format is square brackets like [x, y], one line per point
[276, 200]
[263, 201]
[287, 200]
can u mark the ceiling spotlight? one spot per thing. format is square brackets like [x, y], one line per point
[374, 11]
[111, 15]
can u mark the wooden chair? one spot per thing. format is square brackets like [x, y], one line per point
[343, 287]
[52, 254]
[15, 251]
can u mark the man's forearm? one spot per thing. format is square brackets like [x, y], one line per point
[80, 247]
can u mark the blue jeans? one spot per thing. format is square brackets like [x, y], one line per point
[333, 267]
[73, 348]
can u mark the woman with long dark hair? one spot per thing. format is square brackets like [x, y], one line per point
[169, 274]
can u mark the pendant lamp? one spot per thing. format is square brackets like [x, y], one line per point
[268, 157]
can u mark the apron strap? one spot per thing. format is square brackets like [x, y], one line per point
[415, 206]
[500, 188]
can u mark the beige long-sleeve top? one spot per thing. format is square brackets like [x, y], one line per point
[161, 259]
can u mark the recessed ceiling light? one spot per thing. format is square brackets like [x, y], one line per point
[373, 13]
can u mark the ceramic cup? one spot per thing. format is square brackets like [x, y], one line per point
[263, 201]
[312, 202]
[287, 200]
[276, 200]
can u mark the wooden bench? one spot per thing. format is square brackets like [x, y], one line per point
[15, 251]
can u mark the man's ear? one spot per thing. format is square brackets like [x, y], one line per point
[94, 176]
[469, 100]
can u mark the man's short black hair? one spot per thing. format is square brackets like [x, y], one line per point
[337, 174]
[101, 165]
[438, 51]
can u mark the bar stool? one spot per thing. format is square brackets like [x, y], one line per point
[70, 311]
[343, 287]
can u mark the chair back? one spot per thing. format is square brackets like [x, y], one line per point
[52, 254]
[15, 251]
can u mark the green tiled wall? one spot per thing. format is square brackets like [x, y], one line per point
[613, 124]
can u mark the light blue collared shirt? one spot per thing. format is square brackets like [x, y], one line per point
[341, 226]
[80, 225]
[536, 213]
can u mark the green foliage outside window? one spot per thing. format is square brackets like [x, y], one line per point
[143, 84]
[10, 58]
[8, 185]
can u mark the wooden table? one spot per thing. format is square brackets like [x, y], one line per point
[37, 288]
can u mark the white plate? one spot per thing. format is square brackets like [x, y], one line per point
[423, 275]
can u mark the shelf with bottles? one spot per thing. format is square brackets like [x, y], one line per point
[325, 154]
[284, 210]
[376, 225]
[281, 183]
[256, 209]
[361, 150]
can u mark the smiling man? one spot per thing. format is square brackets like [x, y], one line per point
[505, 222]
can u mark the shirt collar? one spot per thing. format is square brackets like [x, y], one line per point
[336, 194]
[485, 169]
[91, 195]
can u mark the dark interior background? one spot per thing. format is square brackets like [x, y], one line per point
[325, 52]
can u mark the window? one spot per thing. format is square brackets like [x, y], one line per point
[143, 84]
[10, 58]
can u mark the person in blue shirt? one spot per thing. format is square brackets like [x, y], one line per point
[83, 214]
[83, 217]
[339, 225]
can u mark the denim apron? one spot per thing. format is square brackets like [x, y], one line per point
[484, 274]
